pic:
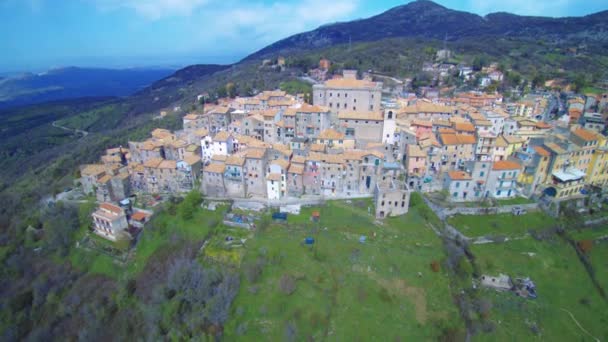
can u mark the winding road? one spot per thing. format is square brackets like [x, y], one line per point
[77, 131]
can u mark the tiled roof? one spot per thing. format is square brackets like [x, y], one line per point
[541, 151]
[215, 167]
[296, 168]
[92, 169]
[255, 153]
[193, 159]
[415, 151]
[153, 162]
[111, 207]
[281, 162]
[235, 160]
[274, 177]
[459, 175]
[506, 165]
[585, 134]
[376, 116]
[221, 136]
[349, 83]
[426, 107]
[457, 139]
[167, 164]
[331, 134]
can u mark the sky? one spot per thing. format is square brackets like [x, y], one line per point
[36, 35]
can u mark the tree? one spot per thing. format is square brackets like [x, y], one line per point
[579, 83]
[479, 62]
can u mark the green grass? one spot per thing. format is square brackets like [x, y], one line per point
[562, 283]
[345, 289]
[500, 224]
[592, 90]
[156, 236]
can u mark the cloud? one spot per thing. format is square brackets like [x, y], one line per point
[256, 23]
[154, 9]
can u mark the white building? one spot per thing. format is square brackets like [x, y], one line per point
[110, 221]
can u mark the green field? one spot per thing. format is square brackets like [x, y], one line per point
[345, 289]
[563, 287]
[501, 224]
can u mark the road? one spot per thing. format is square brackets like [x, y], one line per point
[76, 131]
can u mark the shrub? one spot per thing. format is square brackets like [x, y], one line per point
[585, 245]
[435, 266]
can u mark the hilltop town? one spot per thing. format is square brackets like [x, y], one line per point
[355, 139]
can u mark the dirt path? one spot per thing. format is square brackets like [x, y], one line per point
[77, 131]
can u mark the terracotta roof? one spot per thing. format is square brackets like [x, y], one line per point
[448, 130]
[376, 116]
[274, 177]
[104, 179]
[506, 165]
[501, 141]
[112, 208]
[415, 151]
[555, 148]
[459, 175]
[92, 169]
[317, 147]
[281, 162]
[193, 159]
[235, 160]
[221, 136]
[161, 133]
[330, 134]
[167, 164]
[255, 153]
[192, 117]
[298, 159]
[513, 139]
[220, 110]
[585, 134]
[426, 107]
[153, 162]
[464, 126]
[541, 151]
[219, 157]
[457, 139]
[349, 83]
[296, 168]
[269, 113]
[216, 167]
[306, 108]
[423, 123]
[139, 216]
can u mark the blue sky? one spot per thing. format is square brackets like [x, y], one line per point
[39, 34]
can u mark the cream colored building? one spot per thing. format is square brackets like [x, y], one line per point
[348, 94]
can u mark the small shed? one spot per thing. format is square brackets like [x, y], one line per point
[518, 211]
[316, 216]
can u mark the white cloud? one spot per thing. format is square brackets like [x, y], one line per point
[154, 9]
[259, 23]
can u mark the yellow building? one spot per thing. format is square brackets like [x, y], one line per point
[597, 172]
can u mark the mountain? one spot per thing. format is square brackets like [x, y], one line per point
[426, 19]
[72, 82]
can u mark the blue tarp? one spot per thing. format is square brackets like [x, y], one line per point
[309, 241]
[279, 216]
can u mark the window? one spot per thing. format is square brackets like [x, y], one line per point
[457, 184]
[455, 195]
[481, 174]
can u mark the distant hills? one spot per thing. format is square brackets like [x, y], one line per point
[72, 82]
[426, 19]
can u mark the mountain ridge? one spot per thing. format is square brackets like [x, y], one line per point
[426, 19]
